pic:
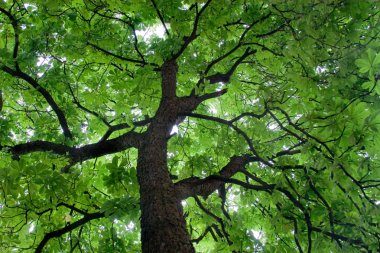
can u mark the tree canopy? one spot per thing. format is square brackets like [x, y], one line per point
[192, 125]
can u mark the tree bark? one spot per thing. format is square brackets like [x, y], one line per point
[163, 226]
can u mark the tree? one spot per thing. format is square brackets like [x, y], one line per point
[183, 126]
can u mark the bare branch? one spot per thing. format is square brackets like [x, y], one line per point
[129, 23]
[193, 34]
[225, 77]
[121, 126]
[139, 62]
[237, 129]
[203, 235]
[351, 241]
[204, 187]
[215, 217]
[60, 115]
[85, 109]
[212, 95]
[160, 16]
[238, 45]
[59, 232]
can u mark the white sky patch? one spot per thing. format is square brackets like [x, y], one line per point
[136, 112]
[231, 201]
[130, 226]
[212, 109]
[44, 61]
[155, 30]
[257, 234]
[298, 116]
[13, 136]
[118, 15]
[272, 126]
[174, 130]
[320, 69]
[363, 154]
[112, 113]
[254, 101]
[30, 7]
[184, 7]
[84, 128]
[21, 101]
[31, 227]
[30, 132]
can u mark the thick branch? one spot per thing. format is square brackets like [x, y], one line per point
[123, 142]
[59, 232]
[19, 74]
[169, 79]
[15, 29]
[60, 115]
[204, 187]
[90, 151]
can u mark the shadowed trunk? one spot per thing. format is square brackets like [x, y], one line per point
[163, 227]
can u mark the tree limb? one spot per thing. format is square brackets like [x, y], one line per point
[15, 29]
[139, 62]
[19, 74]
[60, 115]
[225, 77]
[160, 16]
[204, 187]
[193, 34]
[237, 129]
[59, 232]
[79, 154]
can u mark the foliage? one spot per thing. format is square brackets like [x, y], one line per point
[284, 140]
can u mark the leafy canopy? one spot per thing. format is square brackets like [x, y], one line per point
[298, 85]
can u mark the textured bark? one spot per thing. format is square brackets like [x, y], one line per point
[194, 186]
[163, 227]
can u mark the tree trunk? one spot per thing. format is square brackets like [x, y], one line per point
[163, 227]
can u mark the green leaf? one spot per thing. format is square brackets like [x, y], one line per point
[294, 141]
[364, 65]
